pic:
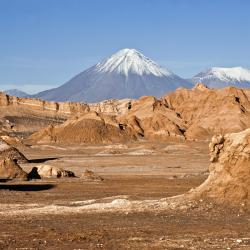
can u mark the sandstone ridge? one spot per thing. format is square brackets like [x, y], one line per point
[196, 113]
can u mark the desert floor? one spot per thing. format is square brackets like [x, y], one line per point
[137, 171]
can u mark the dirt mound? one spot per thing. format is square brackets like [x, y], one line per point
[9, 169]
[48, 171]
[206, 112]
[88, 128]
[229, 179]
[7, 151]
[89, 175]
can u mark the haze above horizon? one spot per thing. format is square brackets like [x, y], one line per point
[45, 43]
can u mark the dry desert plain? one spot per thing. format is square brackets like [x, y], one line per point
[141, 201]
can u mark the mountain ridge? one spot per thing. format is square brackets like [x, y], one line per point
[218, 77]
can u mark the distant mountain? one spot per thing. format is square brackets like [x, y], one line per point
[16, 92]
[126, 74]
[222, 77]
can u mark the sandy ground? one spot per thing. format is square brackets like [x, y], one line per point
[137, 172]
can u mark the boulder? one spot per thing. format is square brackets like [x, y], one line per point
[48, 171]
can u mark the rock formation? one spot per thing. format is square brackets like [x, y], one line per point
[211, 111]
[40, 105]
[9, 159]
[48, 171]
[9, 170]
[196, 113]
[7, 151]
[24, 116]
[112, 107]
[229, 179]
[152, 119]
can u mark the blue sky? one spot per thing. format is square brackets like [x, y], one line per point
[43, 43]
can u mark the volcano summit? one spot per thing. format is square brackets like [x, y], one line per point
[126, 74]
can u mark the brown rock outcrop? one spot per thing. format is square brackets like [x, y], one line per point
[67, 108]
[7, 151]
[229, 179]
[153, 119]
[9, 170]
[196, 113]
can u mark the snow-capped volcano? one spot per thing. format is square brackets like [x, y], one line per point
[128, 61]
[126, 74]
[220, 77]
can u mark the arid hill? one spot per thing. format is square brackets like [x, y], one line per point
[211, 111]
[146, 118]
[21, 116]
[88, 128]
[196, 113]
[152, 119]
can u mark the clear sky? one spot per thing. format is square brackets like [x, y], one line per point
[43, 43]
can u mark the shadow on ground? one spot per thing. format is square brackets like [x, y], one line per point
[42, 160]
[26, 187]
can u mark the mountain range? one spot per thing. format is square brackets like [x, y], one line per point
[130, 74]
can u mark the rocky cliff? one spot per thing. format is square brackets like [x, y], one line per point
[66, 108]
[24, 116]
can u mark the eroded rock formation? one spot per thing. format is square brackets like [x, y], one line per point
[40, 105]
[211, 111]
[9, 170]
[229, 179]
[153, 119]
[7, 151]
[196, 113]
